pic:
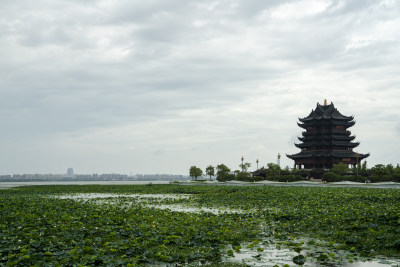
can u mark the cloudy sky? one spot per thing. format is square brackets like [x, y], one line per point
[156, 86]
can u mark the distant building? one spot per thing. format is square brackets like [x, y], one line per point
[326, 140]
[70, 174]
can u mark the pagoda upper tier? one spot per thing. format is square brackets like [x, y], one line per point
[326, 139]
[326, 115]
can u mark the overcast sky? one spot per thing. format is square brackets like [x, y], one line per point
[152, 86]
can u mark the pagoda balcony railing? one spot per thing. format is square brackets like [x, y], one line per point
[321, 132]
[326, 149]
[312, 132]
[341, 131]
[325, 135]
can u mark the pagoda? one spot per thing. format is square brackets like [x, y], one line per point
[326, 140]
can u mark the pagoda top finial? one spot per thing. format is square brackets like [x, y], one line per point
[325, 102]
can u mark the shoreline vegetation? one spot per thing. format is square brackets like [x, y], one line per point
[273, 172]
[133, 225]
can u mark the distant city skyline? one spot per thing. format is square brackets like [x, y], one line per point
[92, 177]
[159, 86]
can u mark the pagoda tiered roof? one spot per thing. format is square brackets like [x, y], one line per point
[345, 124]
[327, 143]
[326, 139]
[327, 112]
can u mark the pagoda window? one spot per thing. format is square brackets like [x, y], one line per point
[339, 127]
[310, 128]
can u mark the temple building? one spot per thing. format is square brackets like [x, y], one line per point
[326, 140]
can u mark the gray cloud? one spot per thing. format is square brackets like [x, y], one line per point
[188, 83]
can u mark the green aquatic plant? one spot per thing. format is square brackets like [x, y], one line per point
[38, 227]
[299, 259]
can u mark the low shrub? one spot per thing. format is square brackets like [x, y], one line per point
[285, 178]
[380, 178]
[331, 177]
[244, 176]
[354, 178]
[258, 178]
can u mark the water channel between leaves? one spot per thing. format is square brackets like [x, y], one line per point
[258, 253]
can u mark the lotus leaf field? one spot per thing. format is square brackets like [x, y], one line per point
[58, 226]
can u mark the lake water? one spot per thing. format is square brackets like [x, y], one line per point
[17, 184]
[4, 185]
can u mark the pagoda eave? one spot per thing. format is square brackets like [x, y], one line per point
[327, 153]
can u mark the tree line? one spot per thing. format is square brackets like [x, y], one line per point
[273, 172]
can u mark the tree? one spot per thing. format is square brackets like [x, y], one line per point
[340, 168]
[222, 173]
[210, 170]
[380, 173]
[390, 168]
[364, 169]
[396, 173]
[243, 175]
[195, 172]
[379, 170]
[244, 166]
[272, 170]
[364, 166]
[286, 171]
